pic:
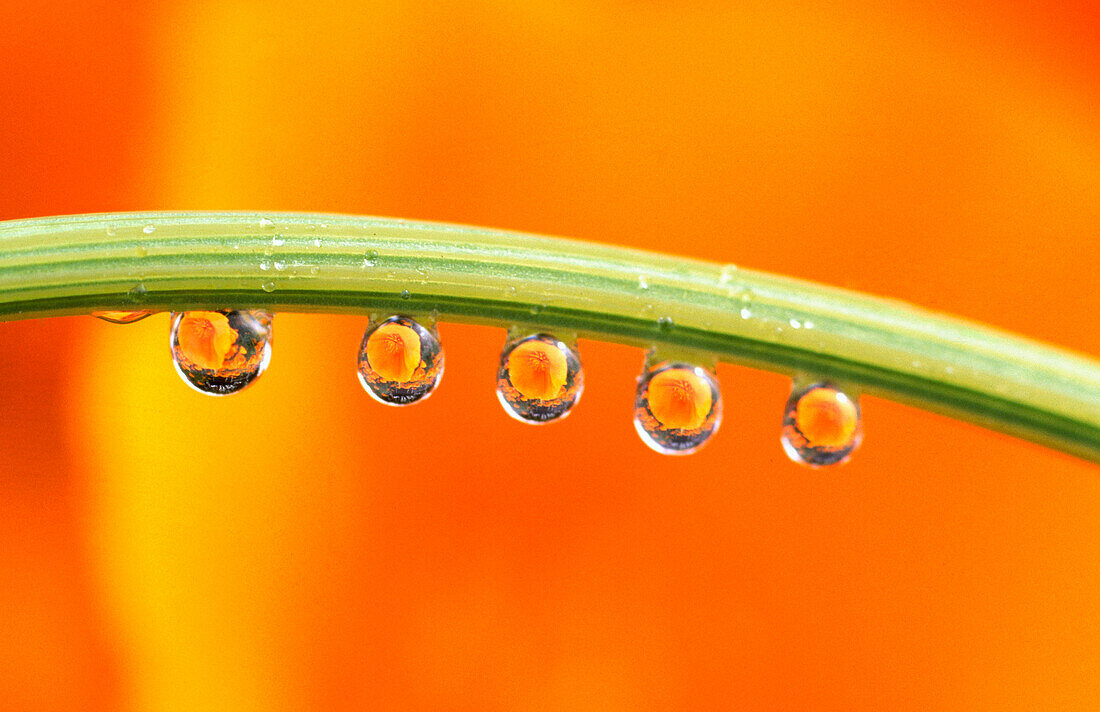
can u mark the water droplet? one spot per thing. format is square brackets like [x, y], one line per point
[316, 242]
[371, 258]
[265, 265]
[665, 323]
[727, 273]
[111, 231]
[148, 229]
[746, 304]
[137, 293]
[278, 241]
[406, 294]
[266, 223]
[643, 284]
[677, 408]
[821, 425]
[807, 324]
[796, 324]
[280, 266]
[141, 251]
[122, 317]
[540, 378]
[400, 361]
[314, 270]
[536, 309]
[268, 286]
[221, 352]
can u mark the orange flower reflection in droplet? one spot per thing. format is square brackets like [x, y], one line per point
[221, 352]
[393, 351]
[538, 369]
[677, 407]
[826, 417]
[205, 338]
[678, 398]
[540, 378]
[400, 361]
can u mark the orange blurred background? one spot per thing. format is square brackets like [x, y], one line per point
[302, 547]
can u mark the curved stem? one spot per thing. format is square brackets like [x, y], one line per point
[347, 264]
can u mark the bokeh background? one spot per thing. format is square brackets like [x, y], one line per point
[300, 547]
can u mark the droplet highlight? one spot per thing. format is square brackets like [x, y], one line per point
[745, 300]
[400, 361]
[137, 294]
[540, 378]
[122, 317]
[821, 425]
[221, 352]
[677, 408]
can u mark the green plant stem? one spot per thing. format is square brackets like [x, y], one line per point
[360, 265]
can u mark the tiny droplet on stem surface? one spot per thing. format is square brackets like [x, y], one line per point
[821, 425]
[540, 378]
[221, 352]
[678, 407]
[400, 361]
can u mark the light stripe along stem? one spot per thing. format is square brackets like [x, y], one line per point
[359, 265]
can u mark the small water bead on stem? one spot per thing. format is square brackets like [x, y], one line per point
[678, 407]
[400, 361]
[122, 317]
[221, 352]
[540, 378]
[821, 425]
